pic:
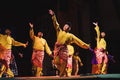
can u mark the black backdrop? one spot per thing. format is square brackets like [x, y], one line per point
[17, 14]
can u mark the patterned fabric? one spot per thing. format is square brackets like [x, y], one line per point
[69, 62]
[61, 51]
[60, 58]
[37, 58]
[13, 66]
[101, 57]
[2, 56]
[8, 56]
[10, 61]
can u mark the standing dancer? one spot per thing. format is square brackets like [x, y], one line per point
[100, 53]
[63, 39]
[70, 58]
[7, 42]
[39, 46]
[76, 63]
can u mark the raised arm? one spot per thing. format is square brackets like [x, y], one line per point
[31, 31]
[55, 22]
[97, 31]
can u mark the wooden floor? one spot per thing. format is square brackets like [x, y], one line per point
[78, 77]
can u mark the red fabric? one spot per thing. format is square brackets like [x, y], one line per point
[69, 62]
[37, 58]
[101, 57]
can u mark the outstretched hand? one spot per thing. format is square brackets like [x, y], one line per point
[81, 64]
[52, 56]
[21, 55]
[51, 12]
[31, 25]
[92, 50]
[95, 23]
[26, 44]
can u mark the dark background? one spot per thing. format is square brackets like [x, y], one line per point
[17, 14]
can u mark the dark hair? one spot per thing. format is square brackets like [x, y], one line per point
[7, 30]
[69, 23]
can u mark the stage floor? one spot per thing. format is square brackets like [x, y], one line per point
[78, 77]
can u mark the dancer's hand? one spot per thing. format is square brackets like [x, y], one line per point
[95, 23]
[51, 55]
[81, 64]
[26, 44]
[91, 49]
[21, 55]
[31, 25]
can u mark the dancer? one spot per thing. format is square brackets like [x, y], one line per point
[100, 53]
[39, 46]
[69, 66]
[69, 61]
[7, 42]
[63, 39]
[76, 63]
[3, 62]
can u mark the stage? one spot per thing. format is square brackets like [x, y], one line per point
[78, 77]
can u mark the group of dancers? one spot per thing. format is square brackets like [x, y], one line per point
[63, 55]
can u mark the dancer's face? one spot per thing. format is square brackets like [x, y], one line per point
[102, 34]
[7, 31]
[40, 34]
[66, 27]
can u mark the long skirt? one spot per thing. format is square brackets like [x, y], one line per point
[37, 62]
[10, 63]
[60, 58]
[10, 58]
[102, 61]
[37, 58]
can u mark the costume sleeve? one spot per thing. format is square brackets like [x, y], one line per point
[80, 43]
[16, 43]
[32, 33]
[48, 51]
[56, 24]
[98, 34]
